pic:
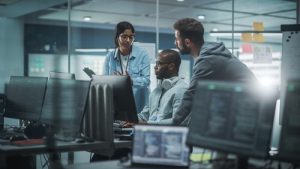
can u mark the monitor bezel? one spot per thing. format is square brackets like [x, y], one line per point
[61, 75]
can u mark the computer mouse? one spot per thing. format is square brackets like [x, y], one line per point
[17, 138]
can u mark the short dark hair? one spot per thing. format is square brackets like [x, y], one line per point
[190, 28]
[120, 28]
[172, 56]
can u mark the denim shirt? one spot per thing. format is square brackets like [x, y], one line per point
[138, 69]
[163, 103]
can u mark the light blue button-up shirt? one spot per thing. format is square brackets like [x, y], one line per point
[138, 69]
[164, 103]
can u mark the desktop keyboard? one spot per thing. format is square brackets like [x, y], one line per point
[123, 130]
[118, 124]
[7, 134]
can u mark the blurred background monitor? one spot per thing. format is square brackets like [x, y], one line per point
[289, 149]
[25, 97]
[61, 75]
[124, 103]
[232, 118]
[64, 106]
[160, 146]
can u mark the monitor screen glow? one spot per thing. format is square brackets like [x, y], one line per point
[232, 118]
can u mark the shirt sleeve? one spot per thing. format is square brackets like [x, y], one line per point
[106, 64]
[175, 103]
[202, 70]
[144, 72]
[144, 114]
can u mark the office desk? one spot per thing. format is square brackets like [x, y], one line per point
[8, 149]
[115, 164]
[112, 164]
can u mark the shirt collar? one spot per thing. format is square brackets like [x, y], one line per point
[131, 55]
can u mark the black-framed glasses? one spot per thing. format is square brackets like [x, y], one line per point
[124, 37]
[159, 63]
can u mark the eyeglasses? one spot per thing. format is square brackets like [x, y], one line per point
[124, 37]
[159, 63]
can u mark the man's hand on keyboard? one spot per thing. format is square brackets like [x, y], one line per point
[128, 125]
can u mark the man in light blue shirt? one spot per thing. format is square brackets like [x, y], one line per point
[167, 96]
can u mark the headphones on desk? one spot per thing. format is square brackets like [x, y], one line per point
[167, 83]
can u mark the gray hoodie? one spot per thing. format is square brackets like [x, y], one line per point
[214, 63]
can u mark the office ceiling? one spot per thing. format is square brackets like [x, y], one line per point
[142, 13]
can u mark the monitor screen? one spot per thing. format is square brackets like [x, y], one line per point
[160, 145]
[232, 118]
[124, 104]
[289, 149]
[64, 105]
[61, 75]
[25, 97]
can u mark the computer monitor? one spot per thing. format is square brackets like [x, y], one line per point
[232, 118]
[160, 146]
[64, 106]
[61, 75]
[124, 104]
[25, 97]
[289, 149]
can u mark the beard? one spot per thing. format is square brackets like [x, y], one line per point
[162, 74]
[184, 49]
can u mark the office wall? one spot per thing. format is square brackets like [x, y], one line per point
[11, 50]
[37, 36]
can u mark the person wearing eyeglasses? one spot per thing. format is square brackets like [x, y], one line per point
[166, 97]
[129, 59]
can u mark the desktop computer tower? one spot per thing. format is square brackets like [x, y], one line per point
[98, 118]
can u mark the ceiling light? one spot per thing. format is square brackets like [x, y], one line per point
[201, 17]
[91, 50]
[180, 0]
[87, 18]
[215, 29]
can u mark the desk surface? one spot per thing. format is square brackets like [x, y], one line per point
[10, 149]
[115, 164]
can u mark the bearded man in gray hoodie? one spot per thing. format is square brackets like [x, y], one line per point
[212, 61]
